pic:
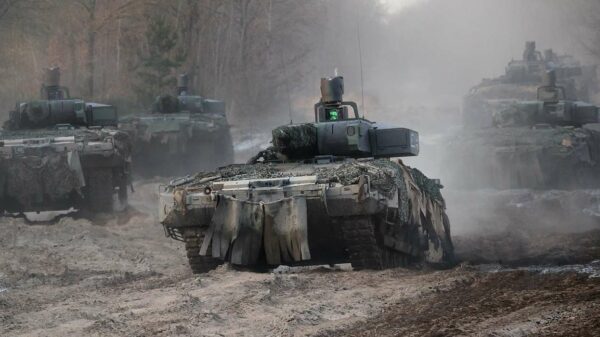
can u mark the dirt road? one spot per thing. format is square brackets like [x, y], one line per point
[120, 276]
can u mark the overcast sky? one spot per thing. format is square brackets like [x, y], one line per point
[394, 6]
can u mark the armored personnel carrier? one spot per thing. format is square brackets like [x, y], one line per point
[548, 143]
[182, 132]
[326, 192]
[521, 79]
[58, 153]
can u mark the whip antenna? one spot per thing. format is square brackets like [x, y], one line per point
[362, 86]
[287, 87]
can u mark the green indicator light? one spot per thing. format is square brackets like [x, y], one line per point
[333, 115]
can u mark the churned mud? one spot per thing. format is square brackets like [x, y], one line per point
[120, 276]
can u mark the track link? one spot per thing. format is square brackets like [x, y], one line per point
[365, 247]
[199, 264]
[361, 243]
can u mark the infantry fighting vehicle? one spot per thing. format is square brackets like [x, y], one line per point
[548, 143]
[58, 153]
[182, 132]
[521, 79]
[324, 193]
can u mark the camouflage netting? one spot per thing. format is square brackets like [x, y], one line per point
[296, 141]
[45, 176]
[34, 176]
[561, 157]
[478, 106]
[387, 176]
[166, 104]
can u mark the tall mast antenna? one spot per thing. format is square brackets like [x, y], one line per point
[362, 86]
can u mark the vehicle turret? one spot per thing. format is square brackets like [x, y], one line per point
[339, 133]
[58, 147]
[57, 108]
[184, 102]
[551, 108]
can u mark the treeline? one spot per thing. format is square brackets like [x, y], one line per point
[251, 53]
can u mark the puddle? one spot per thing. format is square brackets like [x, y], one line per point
[591, 269]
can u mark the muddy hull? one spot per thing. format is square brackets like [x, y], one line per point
[298, 221]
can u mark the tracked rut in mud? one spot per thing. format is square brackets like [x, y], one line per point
[119, 276]
[496, 304]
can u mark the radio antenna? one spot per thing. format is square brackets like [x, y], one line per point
[362, 86]
[287, 87]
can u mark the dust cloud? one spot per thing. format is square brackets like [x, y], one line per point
[119, 275]
[420, 59]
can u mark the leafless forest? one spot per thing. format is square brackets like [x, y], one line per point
[264, 57]
[251, 53]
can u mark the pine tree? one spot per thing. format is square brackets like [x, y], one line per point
[158, 61]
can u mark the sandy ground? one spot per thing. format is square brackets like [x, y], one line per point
[120, 276]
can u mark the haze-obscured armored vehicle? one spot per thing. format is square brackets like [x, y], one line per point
[324, 193]
[521, 80]
[58, 152]
[182, 132]
[548, 143]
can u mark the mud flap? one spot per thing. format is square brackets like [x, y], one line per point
[286, 234]
[247, 242]
[241, 229]
[75, 165]
[433, 227]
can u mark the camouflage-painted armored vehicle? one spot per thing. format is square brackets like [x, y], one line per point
[182, 132]
[324, 193]
[521, 80]
[548, 143]
[58, 153]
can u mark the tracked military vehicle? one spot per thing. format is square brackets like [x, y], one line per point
[58, 153]
[326, 192]
[548, 143]
[521, 80]
[180, 133]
